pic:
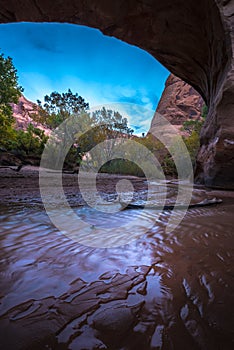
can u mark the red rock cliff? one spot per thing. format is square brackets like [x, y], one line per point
[179, 102]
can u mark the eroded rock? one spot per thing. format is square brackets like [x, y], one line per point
[193, 39]
[25, 113]
[179, 102]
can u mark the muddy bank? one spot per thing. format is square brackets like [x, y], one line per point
[22, 187]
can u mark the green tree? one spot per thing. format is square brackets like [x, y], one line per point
[10, 92]
[106, 124]
[193, 143]
[152, 143]
[193, 125]
[84, 131]
[102, 124]
[58, 107]
[196, 125]
[205, 111]
[7, 132]
[114, 123]
[31, 141]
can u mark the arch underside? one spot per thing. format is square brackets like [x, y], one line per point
[192, 39]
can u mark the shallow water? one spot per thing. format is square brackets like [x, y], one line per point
[161, 291]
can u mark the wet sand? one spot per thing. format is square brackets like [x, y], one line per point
[161, 291]
[23, 187]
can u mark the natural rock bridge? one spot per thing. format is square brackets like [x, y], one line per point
[193, 39]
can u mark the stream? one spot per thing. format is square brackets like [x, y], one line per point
[160, 291]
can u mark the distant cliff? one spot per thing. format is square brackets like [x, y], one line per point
[25, 113]
[179, 102]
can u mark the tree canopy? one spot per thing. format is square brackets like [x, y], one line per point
[58, 107]
[10, 92]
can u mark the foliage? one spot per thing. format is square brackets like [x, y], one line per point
[123, 167]
[72, 138]
[63, 143]
[205, 111]
[130, 157]
[192, 143]
[83, 131]
[193, 125]
[58, 107]
[169, 166]
[114, 122]
[7, 132]
[31, 142]
[152, 144]
[10, 92]
[104, 124]
[196, 125]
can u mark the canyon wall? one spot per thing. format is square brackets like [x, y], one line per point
[193, 39]
[179, 102]
[24, 113]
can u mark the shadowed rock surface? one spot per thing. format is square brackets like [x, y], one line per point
[193, 39]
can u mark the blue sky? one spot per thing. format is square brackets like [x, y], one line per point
[104, 70]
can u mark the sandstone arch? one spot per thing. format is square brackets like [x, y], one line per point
[193, 39]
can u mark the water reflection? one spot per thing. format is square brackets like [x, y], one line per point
[159, 292]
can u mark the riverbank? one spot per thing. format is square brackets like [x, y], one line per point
[22, 187]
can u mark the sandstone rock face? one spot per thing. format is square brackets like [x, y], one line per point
[215, 161]
[193, 39]
[179, 102]
[23, 112]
